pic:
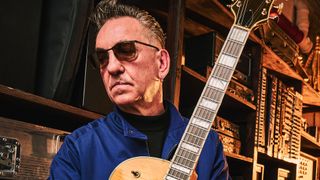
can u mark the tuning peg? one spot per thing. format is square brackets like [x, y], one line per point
[279, 8]
[229, 3]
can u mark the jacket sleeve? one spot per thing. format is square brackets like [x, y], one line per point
[66, 164]
[220, 166]
[212, 163]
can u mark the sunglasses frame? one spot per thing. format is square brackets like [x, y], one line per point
[97, 62]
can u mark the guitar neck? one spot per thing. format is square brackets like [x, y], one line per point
[193, 139]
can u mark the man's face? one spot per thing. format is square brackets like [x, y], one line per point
[135, 82]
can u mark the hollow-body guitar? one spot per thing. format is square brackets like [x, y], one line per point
[248, 14]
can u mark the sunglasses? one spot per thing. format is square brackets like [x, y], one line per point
[124, 51]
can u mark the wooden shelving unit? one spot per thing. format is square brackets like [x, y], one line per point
[203, 16]
[28, 107]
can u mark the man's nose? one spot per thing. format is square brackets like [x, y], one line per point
[114, 66]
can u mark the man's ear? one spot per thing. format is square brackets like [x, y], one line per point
[164, 64]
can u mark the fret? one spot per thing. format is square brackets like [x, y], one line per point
[205, 102]
[184, 161]
[232, 48]
[213, 93]
[203, 113]
[200, 122]
[194, 146]
[197, 130]
[238, 34]
[191, 139]
[190, 147]
[222, 72]
[173, 174]
[177, 174]
[218, 83]
[187, 154]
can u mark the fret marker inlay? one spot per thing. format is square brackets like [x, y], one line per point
[190, 147]
[217, 83]
[171, 178]
[200, 123]
[209, 104]
[228, 60]
[183, 169]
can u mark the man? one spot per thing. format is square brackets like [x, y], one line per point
[133, 64]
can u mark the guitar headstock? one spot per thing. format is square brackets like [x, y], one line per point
[249, 13]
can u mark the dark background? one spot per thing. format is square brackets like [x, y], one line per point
[45, 46]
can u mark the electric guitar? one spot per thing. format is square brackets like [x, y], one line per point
[248, 14]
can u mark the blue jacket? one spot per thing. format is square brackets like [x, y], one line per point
[93, 151]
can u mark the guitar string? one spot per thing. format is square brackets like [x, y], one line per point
[233, 50]
[241, 13]
[258, 10]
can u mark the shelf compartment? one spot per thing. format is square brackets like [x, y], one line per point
[197, 81]
[239, 166]
[309, 144]
[271, 161]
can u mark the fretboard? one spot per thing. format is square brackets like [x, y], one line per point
[193, 139]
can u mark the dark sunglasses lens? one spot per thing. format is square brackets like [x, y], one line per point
[125, 51]
[102, 57]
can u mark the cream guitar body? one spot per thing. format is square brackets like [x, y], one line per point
[144, 168]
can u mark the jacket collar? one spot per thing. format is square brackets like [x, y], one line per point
[175, 131]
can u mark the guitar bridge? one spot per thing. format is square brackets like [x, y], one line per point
[9, 157]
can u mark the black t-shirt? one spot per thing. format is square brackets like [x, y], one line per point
[155, 127]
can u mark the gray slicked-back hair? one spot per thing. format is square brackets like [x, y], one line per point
[109, 9]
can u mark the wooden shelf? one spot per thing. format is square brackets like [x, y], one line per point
[240, 100]
[212, 14]
[263, 158]
[238, 157]
[28, 107]
[230, 96]
[194, 74]
[309, 144]
[310, 96]
[271, 61]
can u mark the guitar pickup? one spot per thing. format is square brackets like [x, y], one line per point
[9, 157]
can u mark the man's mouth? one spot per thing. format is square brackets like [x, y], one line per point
[118, 83]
